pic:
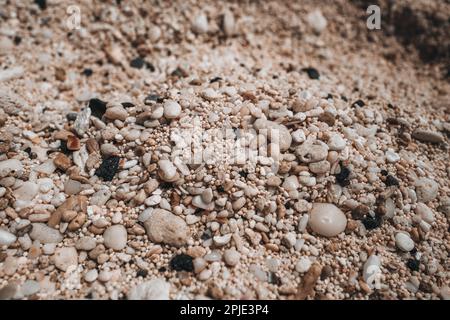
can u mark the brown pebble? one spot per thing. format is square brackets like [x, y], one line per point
[62, 162]
[92, 145]
[306, 287]
[73, 143]
[77, 222]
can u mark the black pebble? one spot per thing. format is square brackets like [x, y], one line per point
[137, 63]
[150, 66]
[153, 97]
[358, 103]
[63, 147]
[391, 181]
[87, 72]
[108, 168]
[312, 73]
[342, 177]
[220, 189]
[182, 262]
[206, 235]
[413, 264]
[384, 172]
[371, 223]
[127, 104]
[41, 3]
[98, 107]
[17, 40]
[162, 269]
[243, 173]
[166, 185]
[215, 79]
[142, 273]
[71, 116]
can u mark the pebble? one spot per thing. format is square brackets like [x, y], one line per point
[45, 234]
[312, 151]
[65, 257]
[108, 149]
[424, 212]
[228, 23]
[30, 287]
[200, 24]
[91, 275]
[220, 241]
[116, 113]
[372, 264]
[167, 171]
[9, 166]
[392, 156]
[172, 109]
[231, 257]
[404, 242]
[86, 243]
[199, 265]
[289, 240]
[316, 21]
[336, 142]
[165, 227]
[210, 94]
[81, 123]
[327, 220]
[156, 289]
[303, 265]
[298, 136]
[6, 238]
[108, 168]
[426, 189]
[427, 136]
[291, 183]
[115, 237]
[49, 248]
[100, 197]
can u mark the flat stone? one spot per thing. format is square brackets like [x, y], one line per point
[116, 113]
[30, 287]
[424, 212]
[65, 257]
[427, 136]
[45, 234]
[100, 197]
[9, 166]
[165, 227]
[86, 243]
[156, 289]
[6, 238]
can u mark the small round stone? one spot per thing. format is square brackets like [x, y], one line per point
[231, 257]
[327, 220]
[172, 109]
[404, 242]
[303, 265]
[115, 237]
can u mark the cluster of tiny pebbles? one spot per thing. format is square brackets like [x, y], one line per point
[349, 200]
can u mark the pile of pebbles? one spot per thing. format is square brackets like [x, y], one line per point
[96, 201]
